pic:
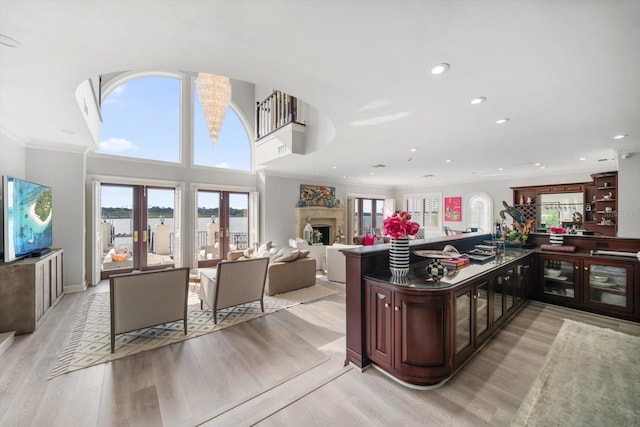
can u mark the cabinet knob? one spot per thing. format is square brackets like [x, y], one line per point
[397, 308]
[386, 305]
[507, 277]
[577, 267]
[475, 296]
[586, 268]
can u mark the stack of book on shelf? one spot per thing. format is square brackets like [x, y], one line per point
[455, 263]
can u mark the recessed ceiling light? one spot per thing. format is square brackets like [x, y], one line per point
[537, 164]
[372, 173]
[500, 169]
[413, 150]
[478, 100]
[502, 121]
[440, 68]
[582, 158]
[543, 167]
[620, 136]
[448, 161]
[334, 167]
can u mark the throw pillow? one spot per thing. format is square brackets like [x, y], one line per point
[368, 240]
[378, 240]
[265, 247]
[292, 256]
[303, 253]
[248, 253]
[284, 254]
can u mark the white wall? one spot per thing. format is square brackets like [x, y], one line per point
[64, 172]
[12, 157]
[629, 196]
[499, 191]
[280, 199]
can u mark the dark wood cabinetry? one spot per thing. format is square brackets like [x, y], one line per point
[600, 212]
[605, 203]
[472, 325]
[400, 322]
[30, 287]
[597, 284]
[422, 334]
[528, 201]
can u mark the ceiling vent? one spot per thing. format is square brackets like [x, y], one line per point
[378, 166]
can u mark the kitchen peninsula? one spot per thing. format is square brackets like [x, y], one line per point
[420, 333]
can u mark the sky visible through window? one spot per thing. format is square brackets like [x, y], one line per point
[141, 119]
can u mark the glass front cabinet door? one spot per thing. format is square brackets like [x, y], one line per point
[560, 279]
[608, 286]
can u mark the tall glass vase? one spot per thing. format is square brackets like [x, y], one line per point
[399, 257]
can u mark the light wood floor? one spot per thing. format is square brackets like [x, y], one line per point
[282, 369]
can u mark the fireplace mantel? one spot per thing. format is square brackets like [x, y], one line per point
[320, 216]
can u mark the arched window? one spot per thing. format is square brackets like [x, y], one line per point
[480, 210]
[141, 119]
[232, 149]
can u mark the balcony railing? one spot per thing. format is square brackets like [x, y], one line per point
[236, 240]
[276, 111]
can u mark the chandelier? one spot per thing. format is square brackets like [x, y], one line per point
[214, 93]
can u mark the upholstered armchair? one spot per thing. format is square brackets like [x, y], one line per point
[233, 283]
[140, 300]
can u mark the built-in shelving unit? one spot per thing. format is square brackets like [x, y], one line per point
[605, 203]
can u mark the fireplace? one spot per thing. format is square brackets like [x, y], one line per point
[331, 218]
[326, 232]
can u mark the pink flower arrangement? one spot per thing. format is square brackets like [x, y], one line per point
[400, 225]
[558, 230]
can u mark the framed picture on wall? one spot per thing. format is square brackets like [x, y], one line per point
[318, 195]
[453, 208]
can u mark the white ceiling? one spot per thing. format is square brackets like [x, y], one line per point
[567, 74]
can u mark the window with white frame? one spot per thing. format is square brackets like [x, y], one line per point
[479, 212]
[143, 118]
[425, 209]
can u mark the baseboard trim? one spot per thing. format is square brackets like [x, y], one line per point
[69, 289]
[6, 339]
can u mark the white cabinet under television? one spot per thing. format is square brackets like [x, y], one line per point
[28, 289]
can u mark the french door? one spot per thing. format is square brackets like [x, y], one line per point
[222, 224]
[138, 228]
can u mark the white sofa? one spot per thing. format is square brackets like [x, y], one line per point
[337, 262]
[316, 252]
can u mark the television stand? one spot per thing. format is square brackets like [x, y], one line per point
[40, 253]
[30, 288]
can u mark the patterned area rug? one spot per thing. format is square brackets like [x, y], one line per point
[89, 343]
[591, 377]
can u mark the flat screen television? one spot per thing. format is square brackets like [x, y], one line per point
[26, 218]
